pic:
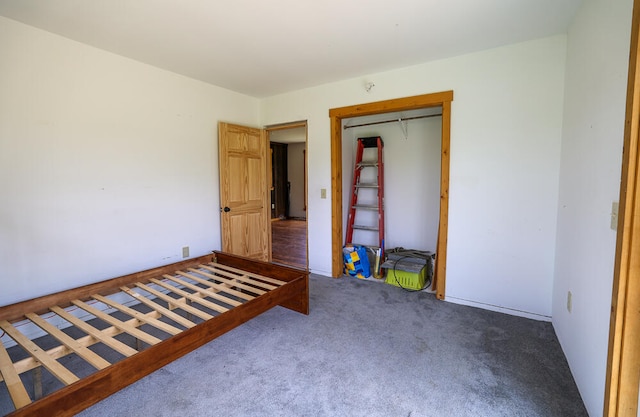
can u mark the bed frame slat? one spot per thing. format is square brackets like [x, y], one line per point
[17, 392]
[228, 288]
[248, 279]
[63, 374]
[204, 291]
[133, 331]
[192, 297]
[238, 280]
[172, 301]
[59, 351]
[277, 282]
[172, 330]
[114, 344]
[94, 359]
[160, 309]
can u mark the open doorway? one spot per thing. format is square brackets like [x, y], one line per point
[288, 194]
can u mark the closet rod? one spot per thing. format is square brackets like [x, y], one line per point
[402, 119]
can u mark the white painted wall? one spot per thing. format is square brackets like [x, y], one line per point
[596, 80]
[505, 160]
[295, 168]
[107, 165]
[412, 183]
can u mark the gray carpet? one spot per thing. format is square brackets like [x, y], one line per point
[366, 349]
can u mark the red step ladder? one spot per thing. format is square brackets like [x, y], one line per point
[372, 204]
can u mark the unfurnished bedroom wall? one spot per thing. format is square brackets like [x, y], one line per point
[107, 165]
[597, 67]
[505, 159]
[110, 165]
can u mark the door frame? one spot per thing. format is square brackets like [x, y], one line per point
[623, 362]
[294, 125]
[336, 115]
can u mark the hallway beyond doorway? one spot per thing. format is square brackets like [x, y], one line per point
[289, 237]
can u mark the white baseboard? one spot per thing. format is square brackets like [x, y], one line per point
[491, 307]
[319, 272]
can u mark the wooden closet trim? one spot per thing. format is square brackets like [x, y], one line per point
[388, 106]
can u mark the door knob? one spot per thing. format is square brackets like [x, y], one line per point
[226, 209]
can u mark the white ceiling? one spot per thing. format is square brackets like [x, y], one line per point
[262, 48]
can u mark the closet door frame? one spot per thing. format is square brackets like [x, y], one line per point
[441, 99]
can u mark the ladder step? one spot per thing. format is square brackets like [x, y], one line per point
[366, 207]
[367, 164]
[366, 185]
[371, 228]
[371, 248]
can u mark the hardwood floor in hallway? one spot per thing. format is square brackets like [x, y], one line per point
[289, 242]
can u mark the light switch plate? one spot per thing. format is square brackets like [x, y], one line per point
[614, 215]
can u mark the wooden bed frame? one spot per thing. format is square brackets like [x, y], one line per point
[190, 303]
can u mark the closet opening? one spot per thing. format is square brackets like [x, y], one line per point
[374, 118]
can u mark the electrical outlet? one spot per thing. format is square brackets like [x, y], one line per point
[569, 301]
[614, 215]
[185, 252]
[323, 193]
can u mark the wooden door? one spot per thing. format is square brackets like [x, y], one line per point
[244, 206]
